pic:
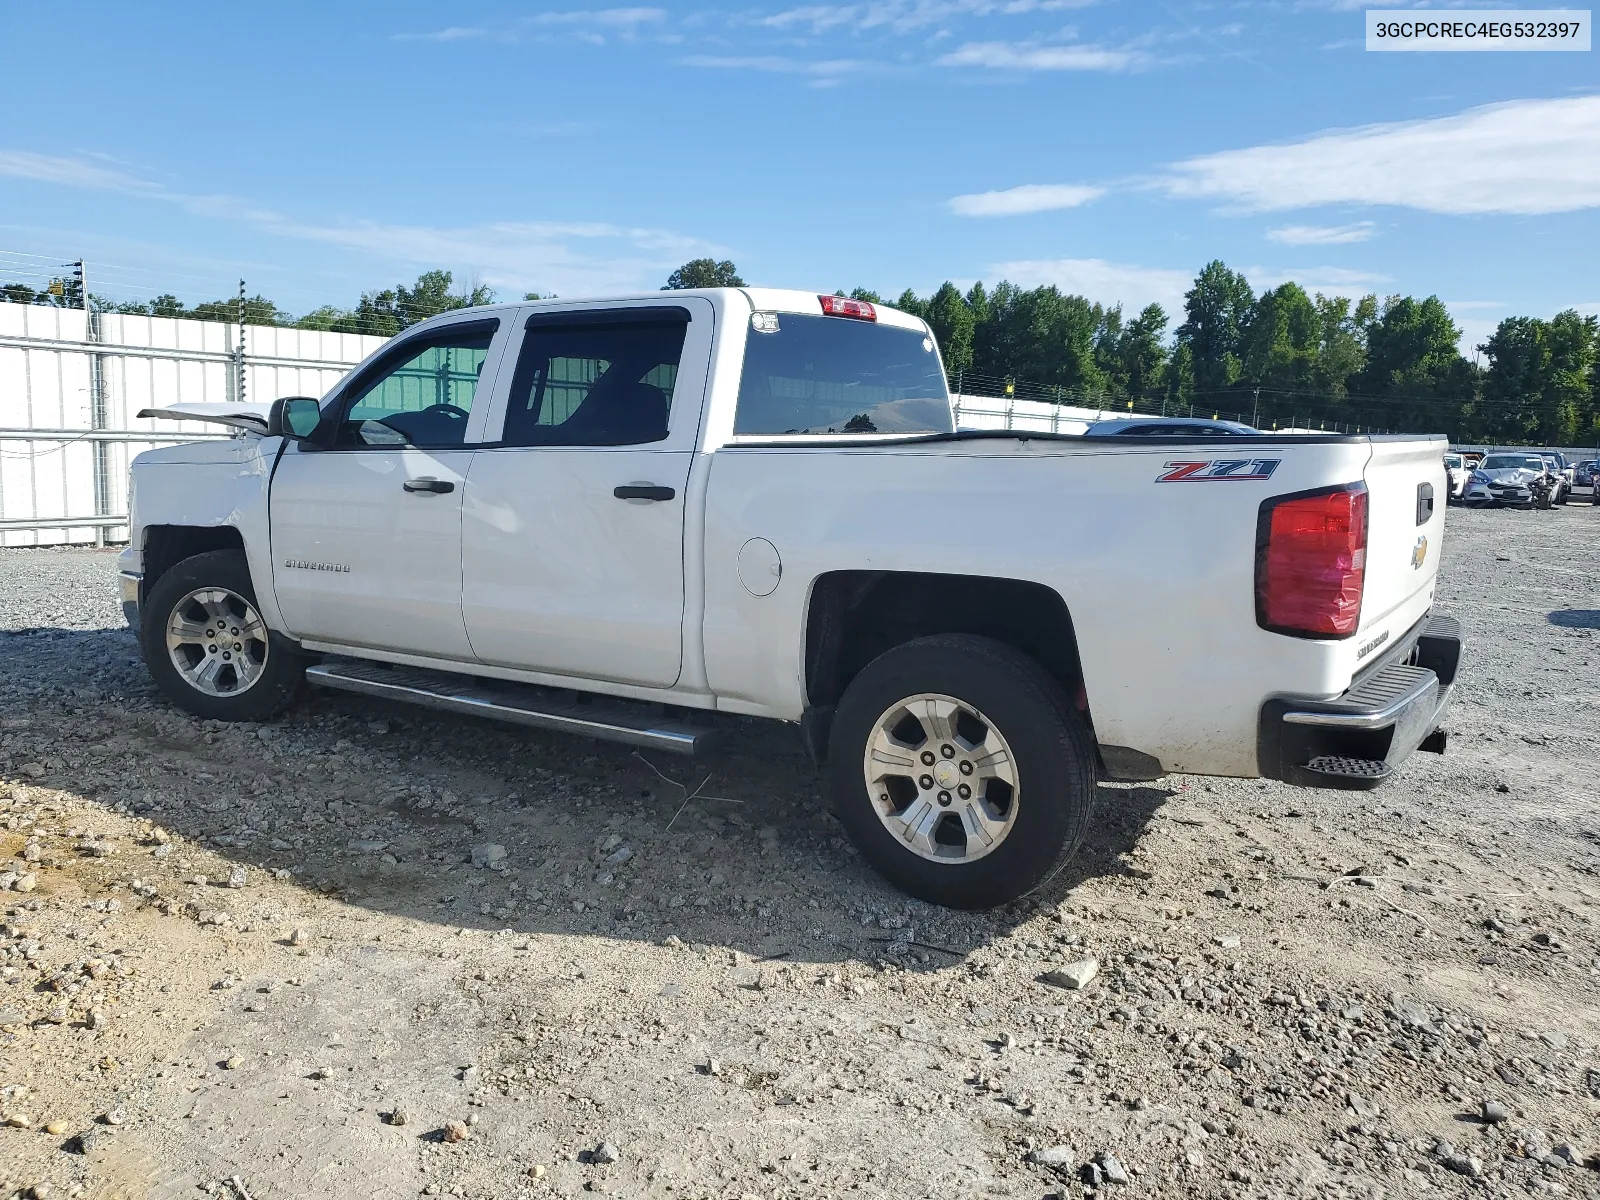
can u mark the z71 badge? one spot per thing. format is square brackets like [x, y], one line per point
[1218, 469]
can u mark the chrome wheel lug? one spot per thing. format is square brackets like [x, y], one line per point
[964, 792]
[927, 758]
[947, 750]
[925, 783]
[944, 799]
[966, 767]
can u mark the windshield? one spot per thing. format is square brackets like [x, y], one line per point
[1504, 462]
[1452, 460]
[836, 375]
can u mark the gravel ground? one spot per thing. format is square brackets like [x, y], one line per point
[259, 961]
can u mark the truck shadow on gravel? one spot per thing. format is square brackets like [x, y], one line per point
[386, 807]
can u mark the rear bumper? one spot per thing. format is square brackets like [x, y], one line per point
[1357, 740]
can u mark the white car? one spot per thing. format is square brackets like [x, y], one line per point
[754, 501]
[1460, 474]
[1504, 479]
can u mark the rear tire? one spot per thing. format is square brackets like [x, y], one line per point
[1018, 756]
[207, 647]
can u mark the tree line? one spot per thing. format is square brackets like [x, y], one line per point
[1278, 358]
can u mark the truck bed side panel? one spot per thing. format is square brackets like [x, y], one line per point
[1158, 576]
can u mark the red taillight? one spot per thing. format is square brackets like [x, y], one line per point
[838, 306]
[1311, 563]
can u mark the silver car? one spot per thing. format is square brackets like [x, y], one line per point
[1504, 479]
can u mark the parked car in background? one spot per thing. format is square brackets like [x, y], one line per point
[1505, 479]
[1459, 473]
[1560, 482]
[1169, 427]
[1564, 468]
[1583, 473]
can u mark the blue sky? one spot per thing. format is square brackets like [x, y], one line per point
[1111, 148]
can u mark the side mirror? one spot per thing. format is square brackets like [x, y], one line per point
[294, 417]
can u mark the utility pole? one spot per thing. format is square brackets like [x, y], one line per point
[238, 358]
[1255, 417]
[98, 404]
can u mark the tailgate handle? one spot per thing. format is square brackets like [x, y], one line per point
[1424, 503]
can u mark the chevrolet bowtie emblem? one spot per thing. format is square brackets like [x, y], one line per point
[1419, 552]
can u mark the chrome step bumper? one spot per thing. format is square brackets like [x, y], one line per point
[635, 724]
[1357, 740]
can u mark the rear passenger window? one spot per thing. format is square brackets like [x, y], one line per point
[596, 383]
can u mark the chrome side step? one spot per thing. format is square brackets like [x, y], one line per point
[633, 723]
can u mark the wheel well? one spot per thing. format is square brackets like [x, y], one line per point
[857, 615]
[165, 546]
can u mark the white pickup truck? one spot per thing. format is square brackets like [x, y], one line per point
[607, 517]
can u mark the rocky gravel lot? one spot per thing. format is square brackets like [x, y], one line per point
[369, 951]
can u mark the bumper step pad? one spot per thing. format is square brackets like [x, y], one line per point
[1334, 771]
[633, 723]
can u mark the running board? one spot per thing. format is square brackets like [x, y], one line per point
[633, 723]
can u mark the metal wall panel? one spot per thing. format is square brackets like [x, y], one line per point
[57, 436]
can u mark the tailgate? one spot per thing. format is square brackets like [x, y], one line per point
[1407, 489]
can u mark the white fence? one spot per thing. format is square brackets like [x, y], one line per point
[1040, 416]
[70, 385]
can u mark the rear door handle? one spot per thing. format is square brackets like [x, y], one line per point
[643, 491]
[429, 485]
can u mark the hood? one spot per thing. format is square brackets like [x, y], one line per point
[247, 415]
[1511, 474]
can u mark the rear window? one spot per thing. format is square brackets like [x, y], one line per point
[835, 375]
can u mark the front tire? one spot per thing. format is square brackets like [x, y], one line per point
[207, 647]
[1004, 801]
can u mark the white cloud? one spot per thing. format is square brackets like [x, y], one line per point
[777, 64]
[73, 172]
[616, 18]
[1521, 157]
[1330, 281]
[1321, 235]
[1040, 56]
[580, 24]
[904, 16]
[1029, 198]
[570, 258]
[456, 33]
[1110, 283]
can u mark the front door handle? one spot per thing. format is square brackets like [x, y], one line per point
[643, 491]
[429, 485]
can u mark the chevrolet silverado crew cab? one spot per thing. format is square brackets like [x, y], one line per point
[608, 517]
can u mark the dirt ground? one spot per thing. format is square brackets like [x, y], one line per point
[259, 962]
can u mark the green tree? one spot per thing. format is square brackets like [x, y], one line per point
[909, 302]
[258, 310]
[1540, 383]
[1341, 343]
[1414, 377]
[1178, 382]
[865, 294]
[1215, 311]
[1131, 354]
[704, 273]
[951, 321]
[1279, 345]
